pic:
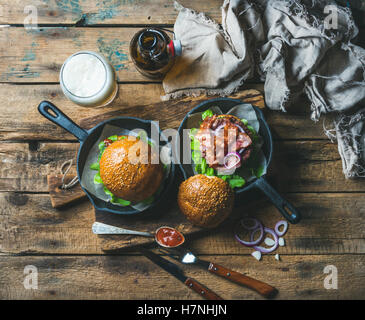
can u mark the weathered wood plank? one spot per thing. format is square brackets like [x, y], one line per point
[37, 55]
[93, 12]
[331, 224]
[25, 166]
[135, 277]
[164, 108]
[67, 230]
[113, 11]
[309, 166]
[20, 119]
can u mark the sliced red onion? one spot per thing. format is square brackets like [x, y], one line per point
[218, 129]
[256, 222]
[258, 226]
[239, 128]
[231, 155]
[223, 125]
[277, 226]
[271, 249]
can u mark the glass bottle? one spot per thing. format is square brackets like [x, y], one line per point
[153, 52]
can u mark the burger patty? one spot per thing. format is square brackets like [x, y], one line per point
[220, 134]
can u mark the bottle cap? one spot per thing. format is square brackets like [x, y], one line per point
[177, 47]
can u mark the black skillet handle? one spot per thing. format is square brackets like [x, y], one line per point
[59, 118]
[286, 208]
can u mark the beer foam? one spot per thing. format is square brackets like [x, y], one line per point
[84, 75]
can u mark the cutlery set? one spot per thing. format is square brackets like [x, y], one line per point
[174, 270]
[187, 257]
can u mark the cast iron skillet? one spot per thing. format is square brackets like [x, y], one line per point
[87, 138]
[285, 208]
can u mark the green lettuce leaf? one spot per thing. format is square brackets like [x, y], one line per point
[210, 172]
[207, 113]
[97, 179]
[236, 182]
[95, 166]
[192, 133]
[120, 201]
[113, 138]
[195, 145]
[204, 166]
[196, 156]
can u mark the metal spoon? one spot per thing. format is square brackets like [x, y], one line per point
[102, 228]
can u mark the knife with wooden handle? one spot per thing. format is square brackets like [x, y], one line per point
[174, 270]
[200, 289]
[261, 287]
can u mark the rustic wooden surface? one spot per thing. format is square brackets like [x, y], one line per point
[306, 169]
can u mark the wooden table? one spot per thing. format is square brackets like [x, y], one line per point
[307, 169]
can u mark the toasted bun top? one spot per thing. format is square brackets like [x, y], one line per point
[127, 169]
[205, 201]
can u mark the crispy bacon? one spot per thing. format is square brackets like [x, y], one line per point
[221, 134]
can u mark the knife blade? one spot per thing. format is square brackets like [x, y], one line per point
[187, 257]
[174, 270]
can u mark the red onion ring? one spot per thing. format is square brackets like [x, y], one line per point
[223, 125]
[236, 155]
[254, 227]
[239, 128]
[218, 128]
[252, 243]
[285, 224]
[267, 250]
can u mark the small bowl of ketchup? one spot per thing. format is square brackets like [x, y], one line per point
[169, 237]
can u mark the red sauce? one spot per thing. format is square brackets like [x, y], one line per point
[169, 237]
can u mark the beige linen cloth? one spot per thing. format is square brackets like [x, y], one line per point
[215, 59]
[288, 44]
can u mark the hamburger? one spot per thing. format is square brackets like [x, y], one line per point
[225, 141]
[130, 169]
[205, 201]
